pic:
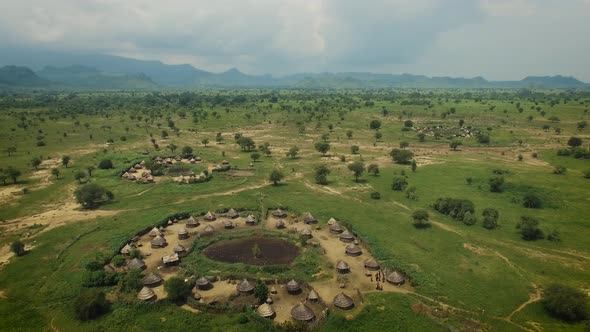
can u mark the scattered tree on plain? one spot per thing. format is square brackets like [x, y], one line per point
[357, 168]
[276, 176]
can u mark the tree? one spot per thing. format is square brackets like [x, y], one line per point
[3, 178]
[566, 303]
[265, 148]
[532, 201]
[357, 168]
[131, 282]
[12, 173]
[105, 164]
[261, 291]
[276, 176]
[205, 141]
[461, 122]
[404, 144]
[349, 134]
[374, 169]
[378, 135]
[90, 304]
[36, 162]
[92, 195]
[187, 151]
[455, 144]
[177, 290]
[172, 147]
[246, 143]
[321, 174]
[164, 134]
[55, 172]
[354, 149]
[322, 147]
[582, 125]
[293, 152]
[399, 183]
[89, 169]
[65, 160]
[483, 138]
[490, 218]
[411, 193]
[408, 124]
[420, 218]
[496, 184]
[10, 150]
[528, 228]
[218, 138]
[80, 175]
[18, 248]
[414, 165]
[375, 124]
[255, 156]
[401, 156]
[325, 137]
[574, 142]
[421, 137]
[469, 219]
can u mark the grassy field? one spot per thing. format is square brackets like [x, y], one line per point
[483, 277]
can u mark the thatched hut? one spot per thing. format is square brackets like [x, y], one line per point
[232, 214]
[170, 260]
[251, 220]
[332, 221]
[158, 159]
[125, 175]
[155, 232]
[313, 296]
[225, 162]
[152, 279]
[210, 216]
[343, 301]
[131, 170]
[302, 312]
[136, 263]
[203, 283]
[273, 290]
[280, 224]
[308, 218]
[228, 224]
[209, 229]
[305, 232]
[180, 250]
[158, 242]
[396, 278]
[196, 294]
[342, 267]
[293, 287]
[126, 250]
[269, 300]
[353, 250]
[278, 213]
[265, 310]
[335, 228]
[192, 222]
[346, 236]
[245, 287]
[372, 264]
[146, 294]
[182, 234]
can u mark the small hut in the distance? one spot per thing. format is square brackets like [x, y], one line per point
[343, 301]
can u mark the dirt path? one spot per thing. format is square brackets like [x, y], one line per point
[534, 297]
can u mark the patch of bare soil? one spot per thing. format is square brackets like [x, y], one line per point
[271, 251]
[534, 297]
[5, 255]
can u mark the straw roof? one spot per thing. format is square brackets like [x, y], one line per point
[308, 218]
[245, 286]
[146, 294]
[280, 223]
[395, 278]
[305, 232]
[302, 312]
[158, 241]
[179, 248]
[232, 213]
[228, 224]
[132, 170]
[265, 310]
[250, 219]
[372, 264]
[158, 159]
[278, 213]
[353, 250]
[336, 228]
[346, 236]
[126, 250]
[210, 216]
[209, 229]
[343, 301]
[155, 232]
[269, 300]
[313, 296]
[225, 162]
[136, 263]
[170, 259]
[342, 266]
[331, 221]
[196, 296]
[182, 231]
[293, 286]
[273, 290]
[202, 281]
[192, 222]
[151, 279]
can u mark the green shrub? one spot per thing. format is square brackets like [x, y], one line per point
[566, 303]
[90, 304]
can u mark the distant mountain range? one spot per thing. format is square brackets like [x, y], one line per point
[26, 68]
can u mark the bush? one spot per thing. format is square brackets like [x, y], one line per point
[99, 278]
[375, 195]
[401, 156]
[566, 303]
[559, 170]
[490, 218]
[469, 219]
[496, 184]
[399, 183]
[529, 229]
[532, 201]
[105, 164]
[118, 260]
[92, 195]
[455, 208]
[131, 282]
[420, 218]
[18, 248]
[90, 304]
[177, 289]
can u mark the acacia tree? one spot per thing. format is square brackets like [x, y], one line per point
[13, 173]
[36, 162]
[322, 147]
[349, 134]
[375, 124]
[205, 141]
[321, 174]
[455, 144]
[276, 176]
[91, 195]
[401, 156]
[357, 168]
[65, 160]
[293, 152]
[373, 169]
[354, 149]
[574, 142]
[55, 172]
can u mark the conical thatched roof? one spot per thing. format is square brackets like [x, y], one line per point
[302, 312]
[210, 216]
[265, 310]
[225, 162]
[136, 263]
[353, 250]
[343, 301]
[313, 296]
[192, 222]
[146, 294]
[273, 290]
[342, 266]
[395, 278]
[232, 213]
[293, 286]
[179, 248]
[346, 236]
[250, 219]
[280, 223]
[126, 250]
[209, 229]
[196, 296]
[331, 221]
[269, 300]
[228, 224]
[155, 232]
[336, 228]
[151, 279]
[202, 281]
[245, 286]
[158, 241]
[182, 231]
[278, 213]
[305, 232]
[308, 218]
[372, 264]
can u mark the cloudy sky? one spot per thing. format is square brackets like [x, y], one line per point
[497, 39]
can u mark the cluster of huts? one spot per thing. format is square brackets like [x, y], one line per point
[446, 131]
[192, 178]
[138, 173]
[167, 161]
[224, 166]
